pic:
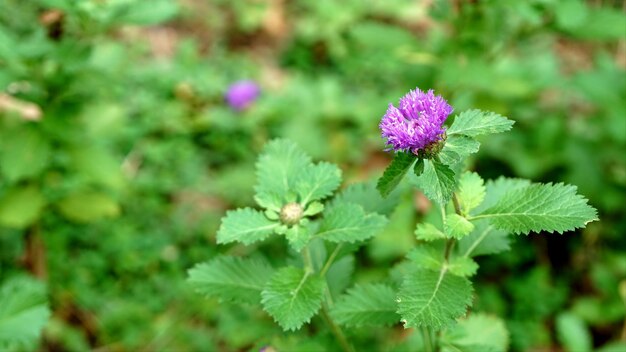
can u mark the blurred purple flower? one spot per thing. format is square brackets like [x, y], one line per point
[417, 123]
[241, 94]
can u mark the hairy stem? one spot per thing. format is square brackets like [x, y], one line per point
[341, 338]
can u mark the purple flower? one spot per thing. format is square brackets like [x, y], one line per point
[417, 123]
[241, 94]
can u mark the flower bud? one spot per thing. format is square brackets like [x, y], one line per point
[291, 213]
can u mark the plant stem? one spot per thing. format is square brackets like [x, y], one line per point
[448, 250]
[457, 204]
[330, 260]
[35, 253]
[345, 345]
[306, 258]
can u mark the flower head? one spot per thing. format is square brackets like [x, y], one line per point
[241, 94]
[417, 122]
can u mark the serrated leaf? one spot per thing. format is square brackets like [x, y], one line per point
[495, 189]
[245, 225]
[437, 181]
[21, 207]
[457, 226]
[487, 333]
[433, 299]
[317, 182]
[471, 191]
[427, 257]
[231, 278]
[458, 147]
[23, 313]
[269, 201]
[540, 207]
[292, 297]
[475, 122]
[428, 232]
[366, 305]
[394, 173]
[298, 237]
[278, 169]
[484, 239]
[348, 222]
[462, 266]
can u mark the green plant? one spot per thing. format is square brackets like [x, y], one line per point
[434, 291]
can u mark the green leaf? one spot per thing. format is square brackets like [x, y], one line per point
[231, 278]
[348, 222]
[471, 191]
[498, 188]
[573, 333]
[437, 181]
[458, 147]
[394, 173]
[23, 154]
[88, 206]
[484, 239]
[428, 257]
[317, 182]
[292, 297]
[433, 299]
[23, 313]
[457, 226]
[245, 225]
[313, 209]
[278, 169]
[366, 305]
[475, 122]
[478, 332]
[462, 266]
[21, 207]
[418, 169]
[428, 232]
[298, 237]
[540, 207]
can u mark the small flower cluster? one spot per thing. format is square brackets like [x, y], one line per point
[417, 123]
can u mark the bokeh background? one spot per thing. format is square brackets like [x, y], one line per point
[119, 155]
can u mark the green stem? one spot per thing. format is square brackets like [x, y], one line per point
[457, 204]
[306, 258]
[330, 260]
[345, 345]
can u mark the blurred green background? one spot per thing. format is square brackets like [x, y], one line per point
[118, 154]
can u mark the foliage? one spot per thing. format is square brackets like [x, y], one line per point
[23, 313]
[119, 156]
